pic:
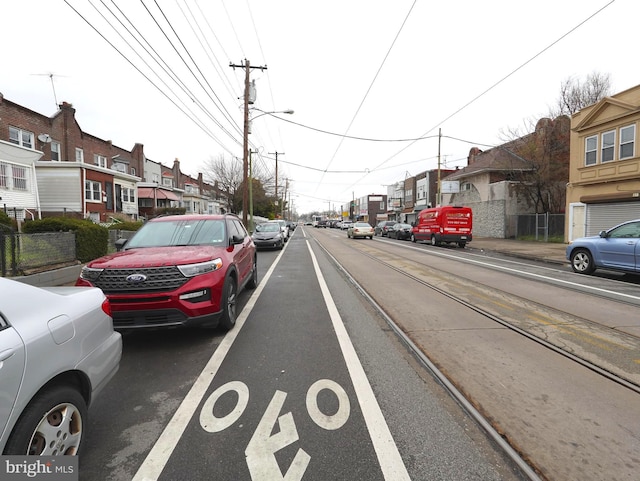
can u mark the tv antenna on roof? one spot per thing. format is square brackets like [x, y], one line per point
[51, 75]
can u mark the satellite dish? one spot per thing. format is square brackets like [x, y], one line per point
[44, 138]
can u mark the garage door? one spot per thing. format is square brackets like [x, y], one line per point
[604, 216]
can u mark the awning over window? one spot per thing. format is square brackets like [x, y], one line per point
[148, 193]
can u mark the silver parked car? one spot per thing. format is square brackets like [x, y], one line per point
[360, 229]
[58, 349]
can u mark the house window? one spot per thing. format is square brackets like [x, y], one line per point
[591, 150]
[627, 141]
[79, 155]
[92, 190]
[100, 160]
[133, 170]
[21, 137]
[608, 146]
[55, 150]
[4, 169]
[119, 167]
[128, 195]
[19, 178]
[167, 182]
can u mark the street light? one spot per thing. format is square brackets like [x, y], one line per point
[246, 204]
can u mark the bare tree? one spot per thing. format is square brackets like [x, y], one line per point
[576, 95]
[547, 150]
[228, 175]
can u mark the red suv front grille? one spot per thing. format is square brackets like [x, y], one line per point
[153, 279]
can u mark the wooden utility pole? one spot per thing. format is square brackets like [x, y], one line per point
[276, 154]
[245, 154]
[439, 193]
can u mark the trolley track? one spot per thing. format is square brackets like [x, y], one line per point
[514, 432]
[561, 349]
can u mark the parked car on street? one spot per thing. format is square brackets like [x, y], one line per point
[179, 270]
[382, 227]
[360, 229]
[286, 233]
[345, 224]
[268, 235]
[58, 350]
[400, 231]
[617, 249]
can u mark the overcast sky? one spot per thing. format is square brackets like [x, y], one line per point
[362, 76]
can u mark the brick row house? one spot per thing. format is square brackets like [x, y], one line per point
[50, 167]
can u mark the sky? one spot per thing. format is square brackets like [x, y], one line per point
[372, 83]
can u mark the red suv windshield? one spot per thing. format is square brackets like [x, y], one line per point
[180, 232]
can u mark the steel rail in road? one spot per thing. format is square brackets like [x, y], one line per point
[526, 469]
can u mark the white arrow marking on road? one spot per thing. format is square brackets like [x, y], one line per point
[261, 450]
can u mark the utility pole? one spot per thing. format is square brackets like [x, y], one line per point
[251, 152]
[276, 154]
[245, 154]
[284, 197]
[438, 194]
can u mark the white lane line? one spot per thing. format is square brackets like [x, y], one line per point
[531, 274]
[391, 463]
[158, 457]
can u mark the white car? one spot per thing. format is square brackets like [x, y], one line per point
[360, 229]
[284, 228]
[58, 350]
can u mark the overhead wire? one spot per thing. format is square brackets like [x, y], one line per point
[220, 107]
[157, 58]
[495, 84]
[375, 77]
[191, 117]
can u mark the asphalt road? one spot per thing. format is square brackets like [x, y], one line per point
[309, 385]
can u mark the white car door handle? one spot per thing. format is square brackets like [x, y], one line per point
[6, 354]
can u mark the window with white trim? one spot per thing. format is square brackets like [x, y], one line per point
[167, 182]
[128, 195]
[55, 150]
[79, 155]
[21, 137]
[100, 160]
[591, 150]
[92, 190]
[4, 175]
[608, 146]
[19, 177]
[133, 170]
[627, 141]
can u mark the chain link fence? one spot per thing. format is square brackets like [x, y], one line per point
[540, 227]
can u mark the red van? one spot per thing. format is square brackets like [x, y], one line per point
[449, 223]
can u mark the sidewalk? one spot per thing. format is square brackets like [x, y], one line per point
[552, 252]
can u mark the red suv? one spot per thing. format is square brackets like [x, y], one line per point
[179, 270]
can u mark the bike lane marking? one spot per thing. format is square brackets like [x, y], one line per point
[260, 451]
[156, 460]
[391, 463]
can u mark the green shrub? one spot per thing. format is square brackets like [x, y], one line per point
[92, 240]
[6, 220]
[128, 225]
